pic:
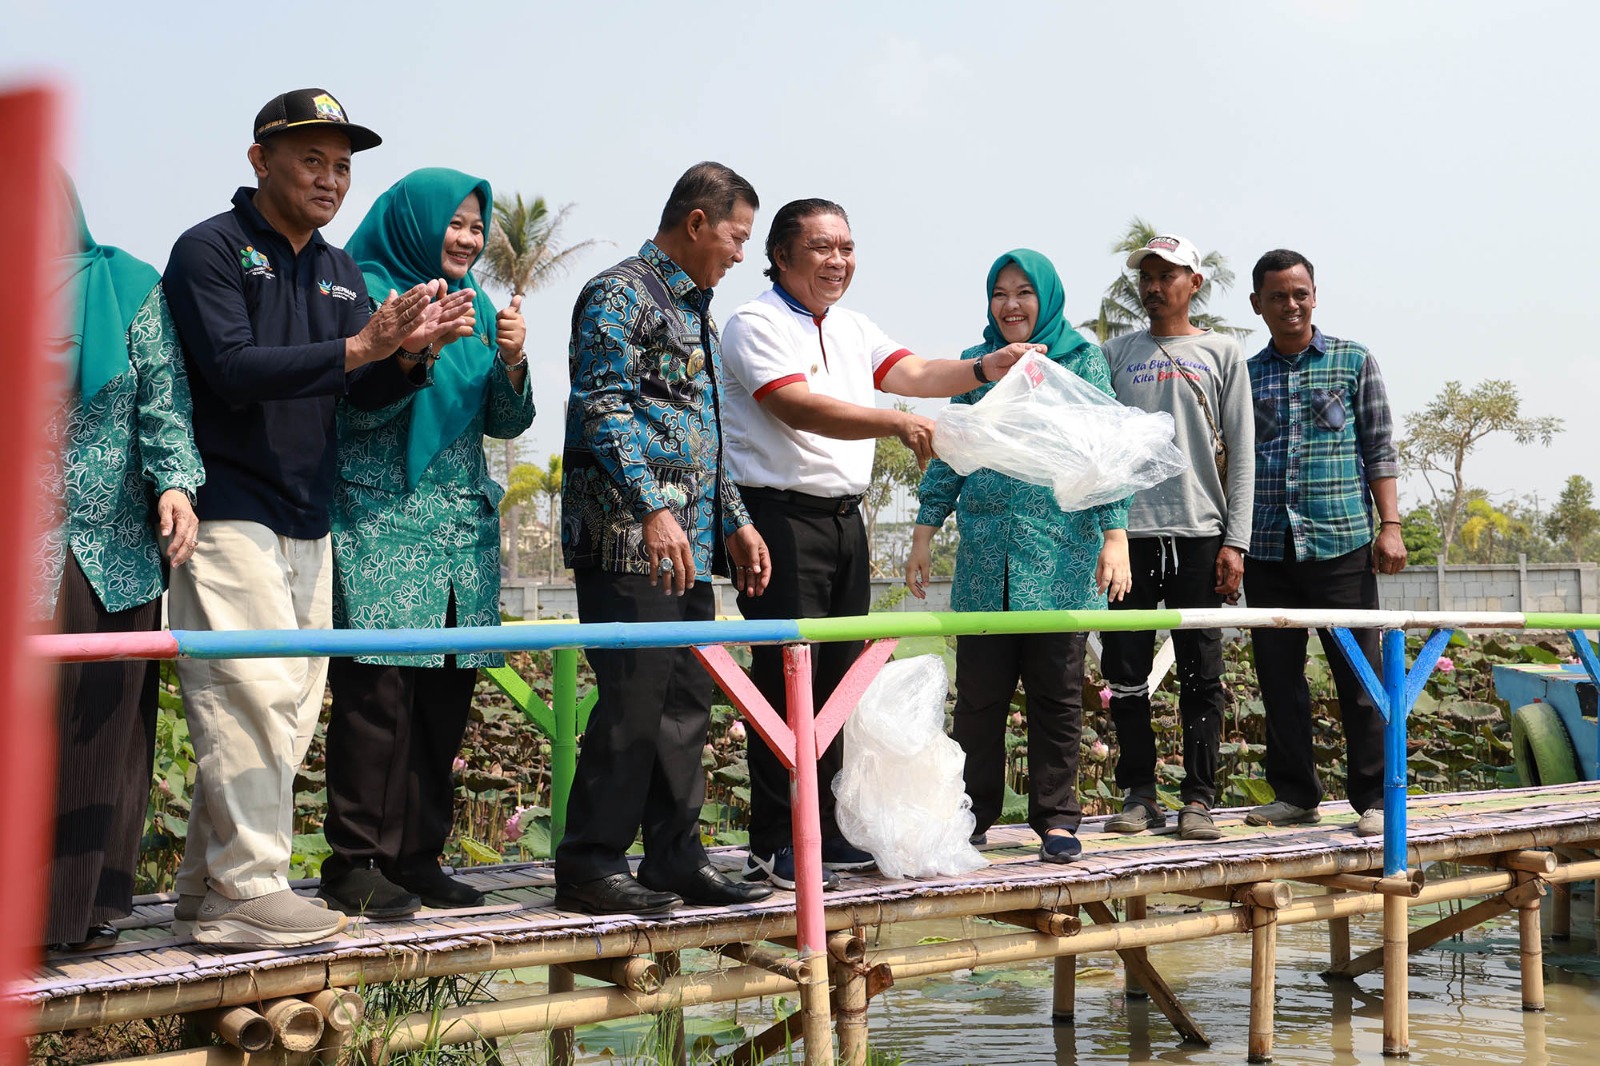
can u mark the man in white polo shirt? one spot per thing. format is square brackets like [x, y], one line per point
[800, 427]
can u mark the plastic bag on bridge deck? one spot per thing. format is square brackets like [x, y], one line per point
[901, 795]
[1045, 425]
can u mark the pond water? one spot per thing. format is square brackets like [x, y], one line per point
[1465, 1005]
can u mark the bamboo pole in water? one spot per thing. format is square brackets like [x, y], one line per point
[1149, 979]
[563, 1042]
[1263, 978]
[1561, 913]
[1444, 928]
[476, 1021]
[1134, 909]
[848, 951]
[1338, 940]
[1532, 951]
[1064, 983]
[1396, 977]
[670, 1023]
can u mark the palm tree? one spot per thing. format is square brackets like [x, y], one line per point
[1120, 309]
[524, 253]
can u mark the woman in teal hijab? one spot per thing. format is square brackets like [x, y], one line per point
[127, 475]
[1020, 552]
[416, 543]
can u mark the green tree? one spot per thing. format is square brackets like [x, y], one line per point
[1575, 518]
[1441, 436]
[1420, 531]
[1483, 527]
[523, 253]
[1121, 310]
[528, 482]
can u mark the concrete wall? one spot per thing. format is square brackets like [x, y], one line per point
[1520, 587]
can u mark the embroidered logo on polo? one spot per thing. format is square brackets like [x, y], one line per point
[254, 263]
[328, 108]
[338, 292]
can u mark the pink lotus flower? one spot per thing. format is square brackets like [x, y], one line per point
[1098, 750]
[514, 824]
[736, 732]
[1016, 719]
[1444, 665]
[458, 765]
[1105, 697]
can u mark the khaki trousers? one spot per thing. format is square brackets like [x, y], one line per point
[251, 720]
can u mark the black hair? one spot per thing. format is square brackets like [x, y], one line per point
[787, 222]
[1279, 259]
[709, 187]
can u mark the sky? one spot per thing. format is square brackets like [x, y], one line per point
[1435, 160]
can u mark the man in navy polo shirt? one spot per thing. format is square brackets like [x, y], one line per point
[275, 328]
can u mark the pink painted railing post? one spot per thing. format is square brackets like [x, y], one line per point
[27, 721]
[806, 825]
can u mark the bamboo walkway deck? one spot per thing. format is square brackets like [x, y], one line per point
[151, 973]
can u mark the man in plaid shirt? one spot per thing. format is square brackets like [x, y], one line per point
[1325, 455]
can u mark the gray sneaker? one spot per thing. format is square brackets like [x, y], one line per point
[1281, 812]
[1195, 823]
[1136, 817]
[277, 919]
[187, 911]
[1370, 824]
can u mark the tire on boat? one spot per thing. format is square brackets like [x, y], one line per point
[1541, 749]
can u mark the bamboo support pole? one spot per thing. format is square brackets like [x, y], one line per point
[635, 972]
[1404, 885]
[766, 1044]
[476, 1021]
[1139, 969]
[1134, 909]
[1396, 977]
[296, 1023]
[241, 1027]
[1064, 981]
[1050, 923]
[1561, 913]
[1532, 952]
[1534, 862]
[785, 965]
[1338, 940]
[848, 951]
[342, 1012]
[1444, 928]
[1263, 981]
[563, 1041]
[675, 1041]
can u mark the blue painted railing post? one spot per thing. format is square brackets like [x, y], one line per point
[1394, 753]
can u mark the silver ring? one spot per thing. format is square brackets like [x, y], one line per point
[665, 566]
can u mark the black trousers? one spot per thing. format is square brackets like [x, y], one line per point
[393, 733]
[820, 569]
[639, 766]
[105, 744]
[1180, 571]
[1050, 668]
[1280, 654]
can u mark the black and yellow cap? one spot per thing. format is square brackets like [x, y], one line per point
[304, 108]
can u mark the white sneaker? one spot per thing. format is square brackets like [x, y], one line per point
[277, 919]
[187, 911]
[1370, 824]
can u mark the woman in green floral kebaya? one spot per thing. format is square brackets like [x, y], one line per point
[127, 476]
[1020, 552]
[416, 543]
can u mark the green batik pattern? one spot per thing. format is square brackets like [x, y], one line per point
[399, 555]
[133, 441]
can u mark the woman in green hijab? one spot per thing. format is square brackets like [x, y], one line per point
[1020, 552]
[416, 543]
[127, 475]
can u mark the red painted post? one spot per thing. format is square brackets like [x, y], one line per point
[27, 728]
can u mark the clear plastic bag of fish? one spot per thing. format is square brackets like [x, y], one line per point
[901, 794]
[1045, 425]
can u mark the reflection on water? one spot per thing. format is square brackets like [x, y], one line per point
[1465, 1004]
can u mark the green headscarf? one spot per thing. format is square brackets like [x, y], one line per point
[106, 287]
[1051, 328]
[398, 245]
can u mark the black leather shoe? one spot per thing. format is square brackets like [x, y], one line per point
[366, 892]
[437, 888]
[95, 938]
[709, 887]
[615, 894]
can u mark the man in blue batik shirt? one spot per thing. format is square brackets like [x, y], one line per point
[1325, 456]
[648, 517]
